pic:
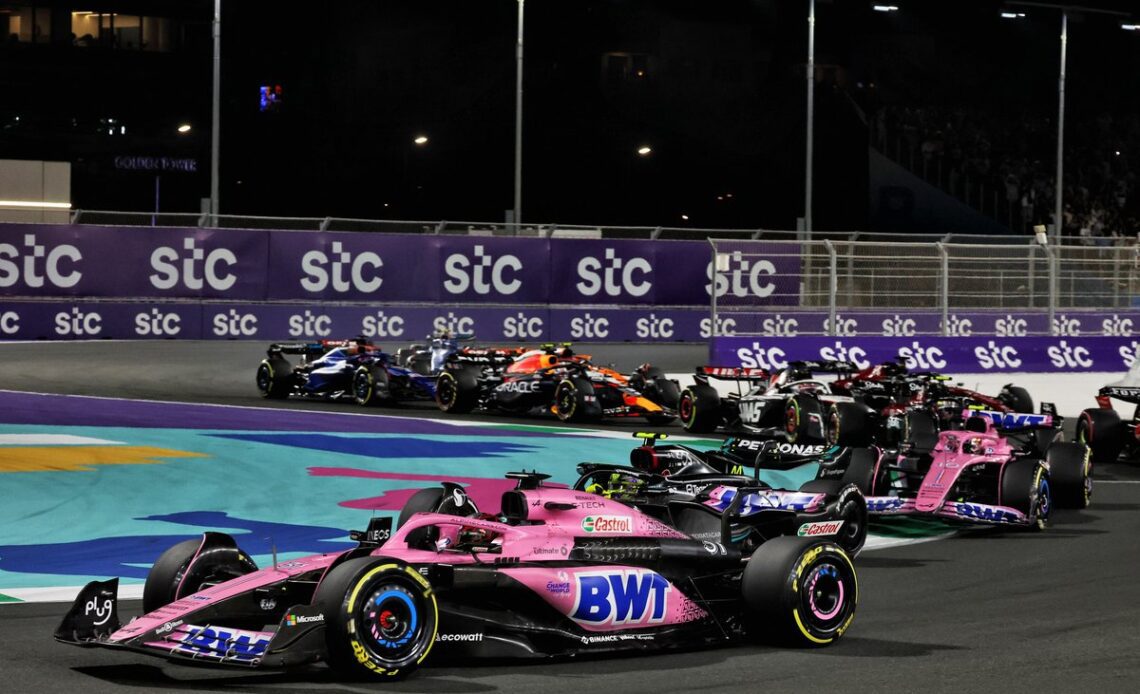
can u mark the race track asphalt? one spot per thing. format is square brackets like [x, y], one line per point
[982, 611]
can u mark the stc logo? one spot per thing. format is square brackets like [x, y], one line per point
[762, 357]
[522, 326]
[1064, 356]
[382, 326]
[1130, 353]
[453, 323]
[39, 264]
[157, 323]
[321, 271]
[78, 323]
[234, 324]
[724, 326]
[588, 326]
[9, 322]
[310, 324]
[841, 352]
[1011, 327]
[655, 327]
[613, 275]
[919, 357]
[166, 262]
[743, 277]
[1063, 326]
[842, 327]
[898, 326]
[958, 327]
[779, 327]
[994, 356]
[484, 274]
[1117, 326]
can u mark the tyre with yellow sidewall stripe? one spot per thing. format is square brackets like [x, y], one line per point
[381, 618]
[800, 591]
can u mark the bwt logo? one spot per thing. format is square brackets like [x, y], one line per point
[453, 323]
[310, 324]
[9, 322]
[1011, 327]
[958, 327]
[994, 356]
[166, 262]
[613, 275]
[484, 274]
[39, 264]
[78, 323]
[655, 327]
[321, 270]
[841, 352]
[758, 357]
[1063, 326]
[157, 323]
[724, 326]
[841, 327]
[589, 326]
[634, 596]
[522, 325]
[1062, 355]
[743, 277]
[778, 326]
[1116, 326]
[897, 326]
[234, 324]
[382, 326]
[919, 357]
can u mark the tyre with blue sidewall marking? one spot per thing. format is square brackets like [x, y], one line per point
[1025, 486]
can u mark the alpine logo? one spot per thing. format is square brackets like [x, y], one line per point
[633, 596]
[622, 525]
[824, 528]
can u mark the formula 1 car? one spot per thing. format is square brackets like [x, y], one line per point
[691, 489]
[336, 369]
[430, 359]
[1102, 428]
[991, 470]
[557, 572]
[550, 379]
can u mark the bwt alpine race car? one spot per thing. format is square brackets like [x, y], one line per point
[336, 369]
[1108, 434]
[693, 491]
[999, 468]
[558, 572]
[551, 379]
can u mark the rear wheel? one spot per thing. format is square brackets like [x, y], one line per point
[1025, 487]
[699, 409]
[861, 469]
[1070, 471]
[274, 378]
[800, 591]
[847, 425]
[381, 618]
[920, 433]
[798, 421]
[1016, 398]
[181, 570]
[1100, 429]
[370, 385]
[457, 391]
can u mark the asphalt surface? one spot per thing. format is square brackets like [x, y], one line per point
[984, 611]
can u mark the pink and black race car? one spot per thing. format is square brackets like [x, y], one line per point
[556, 572]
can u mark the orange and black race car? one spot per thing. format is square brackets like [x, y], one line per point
[553, 379]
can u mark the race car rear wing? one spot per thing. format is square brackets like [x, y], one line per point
[320, 347]
[1017, 421]
[731, 373]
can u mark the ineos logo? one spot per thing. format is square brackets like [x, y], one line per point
[234, 324]
[589, 326]
[321, 271]
[382, 326]
[9, 322]
[613, 275]
[484, 274]
[522, 326]
[170, 267]
[40, 264]
[78, 323]
[157, 323]
[743, 277]
[310, 324]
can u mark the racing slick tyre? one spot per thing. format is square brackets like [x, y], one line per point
[1100, 430]
[274, 376]
[847, 424]
[1016, 398]
[861, 470]
[181, 570]
[370, 385]
[1025, 487]
[574, 400]
[849, 506]
[800, 591]
[797, 419]
[380, 618]
[1070, 471]
[651, 382]
[919, 432]
[457, 391]
[699, 409]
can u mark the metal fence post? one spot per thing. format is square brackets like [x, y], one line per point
[833, 284]
[944, 290]
[75, 216]
[1052, 286]
[325, 224]
[440, 227]
[712, 293]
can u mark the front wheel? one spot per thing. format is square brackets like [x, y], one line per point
[1070, 470]
[457, 391]
[574, 399]
[192, 565]
[274, 378]
[370, 385]
[1025, 487]
[800, 591]
[381, 618]
[699, 409]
